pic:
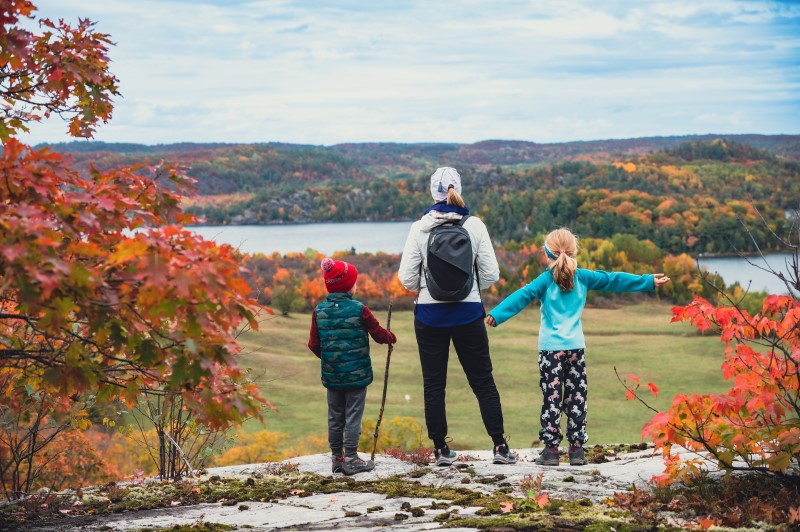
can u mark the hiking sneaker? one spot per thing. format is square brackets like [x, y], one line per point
[351, 466]
[576, 455]
[337, 464]
[445, 456]
[504, 455]
[548, 456]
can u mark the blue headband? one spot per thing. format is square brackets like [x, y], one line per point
[549, 253]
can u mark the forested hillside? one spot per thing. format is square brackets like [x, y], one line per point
[682, 196]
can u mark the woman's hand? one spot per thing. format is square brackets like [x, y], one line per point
[659, 279]
[490, 321]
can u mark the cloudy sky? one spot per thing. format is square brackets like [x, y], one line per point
[433, 71]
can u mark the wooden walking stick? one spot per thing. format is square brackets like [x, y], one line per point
[385, 385]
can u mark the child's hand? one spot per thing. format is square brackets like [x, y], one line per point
[659, 279]
[490, 321]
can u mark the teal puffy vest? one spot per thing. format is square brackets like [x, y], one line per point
[344, 342]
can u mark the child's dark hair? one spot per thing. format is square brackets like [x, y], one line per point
[562, 245]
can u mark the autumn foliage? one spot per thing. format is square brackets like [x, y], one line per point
[756, 425]
[62, 71]
[103, 294]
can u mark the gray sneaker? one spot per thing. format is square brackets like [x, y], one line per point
[548, 456]
[576, 456]
[351, 466]
[504, 455]
[445, 456]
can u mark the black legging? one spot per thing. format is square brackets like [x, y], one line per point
[472, 347]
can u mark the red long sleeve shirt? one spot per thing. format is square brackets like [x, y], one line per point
[368, 321]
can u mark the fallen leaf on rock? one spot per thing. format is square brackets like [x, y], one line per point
[707, 523]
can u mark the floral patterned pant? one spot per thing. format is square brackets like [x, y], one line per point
[562, 378]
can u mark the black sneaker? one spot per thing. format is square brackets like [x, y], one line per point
[548, 456]
[576, 456]
[445, 456]
[351, 466]
[504, 455]
[337, 464]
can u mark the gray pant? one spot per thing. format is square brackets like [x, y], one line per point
[345, 409]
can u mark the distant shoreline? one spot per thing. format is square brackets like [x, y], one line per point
[279, 223]
[737, 255]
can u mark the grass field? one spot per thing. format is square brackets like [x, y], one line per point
[636, 339]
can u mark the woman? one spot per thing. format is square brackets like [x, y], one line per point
[437, 322]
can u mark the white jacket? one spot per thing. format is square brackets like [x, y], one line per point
[416, 246]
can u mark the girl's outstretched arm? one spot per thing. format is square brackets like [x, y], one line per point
[618, 281]
[513, 304]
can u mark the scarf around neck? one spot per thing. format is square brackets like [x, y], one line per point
[442, 206]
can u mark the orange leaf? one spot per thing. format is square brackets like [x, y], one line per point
[653, 388]
[629, 395]
[542, 500]
[794, 515]
[633, 377]
[707, 523]
[506, 507]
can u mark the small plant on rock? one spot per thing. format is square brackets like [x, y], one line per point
[533, 498]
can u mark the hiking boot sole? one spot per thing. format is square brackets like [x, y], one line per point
[578, 461]
[500, 459]
[443, 462]
[550, 462]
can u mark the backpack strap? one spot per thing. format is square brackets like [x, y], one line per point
[475, 267]
[478, 280]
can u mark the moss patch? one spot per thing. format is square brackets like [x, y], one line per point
[626, 511]
[201, 527]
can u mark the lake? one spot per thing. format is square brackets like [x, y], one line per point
[737, 269]
[364, 237]
[389, 237]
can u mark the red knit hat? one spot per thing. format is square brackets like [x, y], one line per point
[339, 276]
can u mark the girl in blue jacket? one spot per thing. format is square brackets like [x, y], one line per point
[562, 289]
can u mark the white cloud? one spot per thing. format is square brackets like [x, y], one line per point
[458, 72]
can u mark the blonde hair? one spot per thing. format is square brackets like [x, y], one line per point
[454, 198]
[563, 244]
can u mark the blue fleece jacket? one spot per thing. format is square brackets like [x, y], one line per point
[561, 311]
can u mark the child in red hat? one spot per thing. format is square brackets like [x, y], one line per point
[339, 328]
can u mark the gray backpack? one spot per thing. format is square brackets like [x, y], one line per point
[451, 266]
